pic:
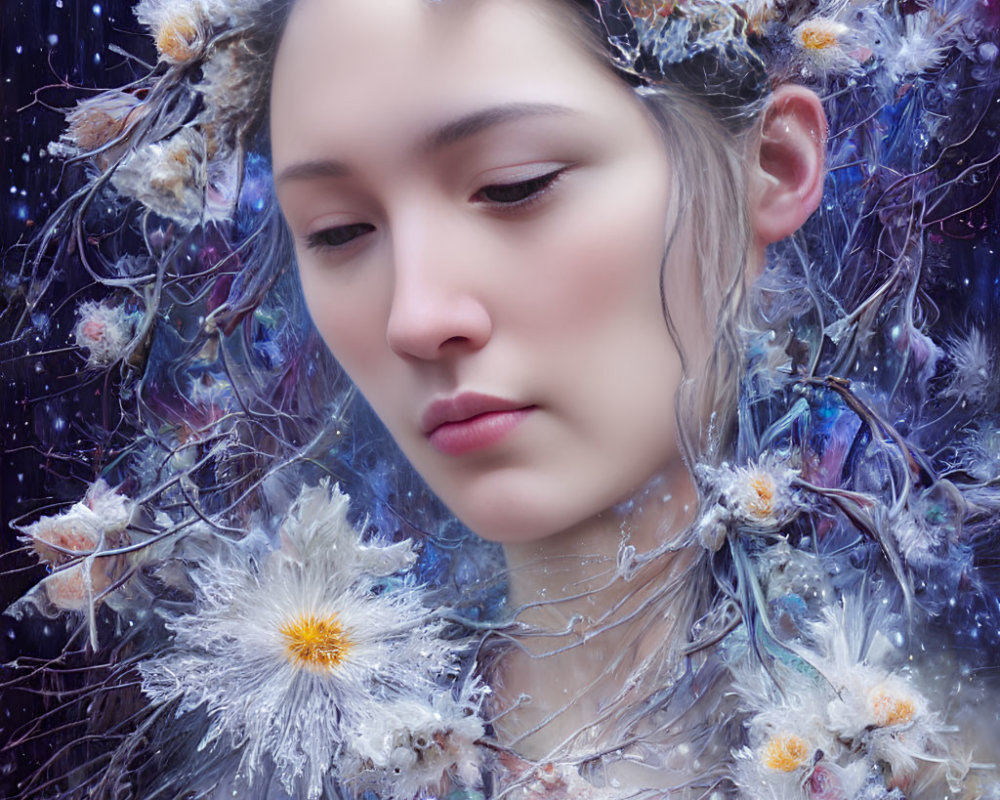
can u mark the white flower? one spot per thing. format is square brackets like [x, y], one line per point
[230, 81]
[759, 495]
[183, 28]
[873, 706]
[787, 731]
[826, 44]
[406, 746]
[95, 123]
[179, 27]
[294, 650]
[757, 781]
[973, 367]
[74, 544]
[104, 331]
[168, 177]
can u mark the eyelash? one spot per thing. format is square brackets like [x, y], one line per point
[524, 192]
[338, 237]
[512, 196]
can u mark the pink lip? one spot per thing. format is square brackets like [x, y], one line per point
[470, 422]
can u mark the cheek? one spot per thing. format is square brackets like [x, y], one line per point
[597, 277]
[349, 311]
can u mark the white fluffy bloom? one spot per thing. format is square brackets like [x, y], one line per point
[74, 544]
[183, 28]
[103, 330]
[973, 362]
[759, 495]
[293, 651]
[179, 27]
[406, 746]
[827, 44]
[873, 707]
[96, 123]
[168, 177]
[787, 732]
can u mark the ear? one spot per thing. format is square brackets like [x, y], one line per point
[786, 183]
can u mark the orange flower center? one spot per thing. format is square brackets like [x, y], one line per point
[176, 39]
[785, 752]
[761, 503]
[819, 38]
[889, 710]
[316, 643]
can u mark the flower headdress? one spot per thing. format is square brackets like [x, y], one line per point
[863, 476]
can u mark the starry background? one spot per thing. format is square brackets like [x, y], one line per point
[52, 53]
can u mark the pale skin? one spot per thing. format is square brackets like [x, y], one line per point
[479, 208]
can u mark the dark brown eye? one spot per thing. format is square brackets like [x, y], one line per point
[516, 193]
[339, 236]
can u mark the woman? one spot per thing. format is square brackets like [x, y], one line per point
[523, 263]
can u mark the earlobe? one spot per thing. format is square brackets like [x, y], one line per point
[786, 183]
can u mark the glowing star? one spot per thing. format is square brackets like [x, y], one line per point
[293, 650]
[785, 752]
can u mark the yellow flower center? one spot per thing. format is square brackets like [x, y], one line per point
[761, 503]
[819, 38]
[890, 710]
[316, 643]
[785, 752]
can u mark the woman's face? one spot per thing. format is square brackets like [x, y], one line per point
[480, 210]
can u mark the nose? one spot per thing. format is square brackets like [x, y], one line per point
[437, 309]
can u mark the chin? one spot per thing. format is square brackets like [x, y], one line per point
[513, 511]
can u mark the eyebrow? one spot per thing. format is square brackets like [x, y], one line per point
[476, 121]
[450, 133]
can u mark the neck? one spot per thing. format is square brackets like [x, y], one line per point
[590, 620]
